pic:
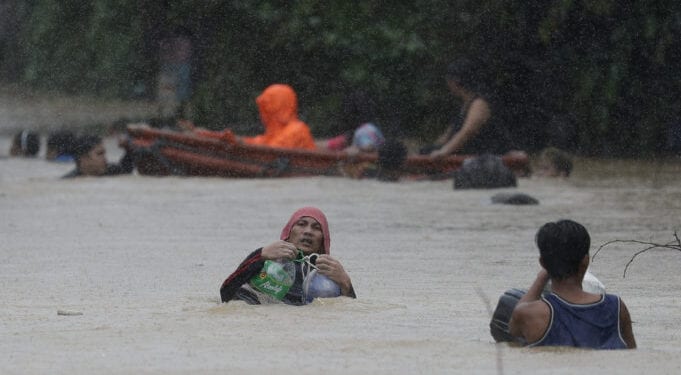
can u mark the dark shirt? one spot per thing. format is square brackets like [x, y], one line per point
[493, 137]
[595, 325]
[251, 266]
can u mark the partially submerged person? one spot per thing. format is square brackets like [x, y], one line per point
[304, 249]
[569, 316]
[486, 171]
[554, 162]
[60, 146]
[477, 129]
[90, 157]
[388, 165]
[278, 108]
[26, 143]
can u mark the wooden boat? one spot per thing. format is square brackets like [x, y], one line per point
[164, 152]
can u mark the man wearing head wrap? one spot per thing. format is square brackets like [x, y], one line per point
[278, 107]
[307, 231]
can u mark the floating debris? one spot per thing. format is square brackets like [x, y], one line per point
[68, 313]
[673, 245]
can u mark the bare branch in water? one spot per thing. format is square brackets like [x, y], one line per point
[673, 245]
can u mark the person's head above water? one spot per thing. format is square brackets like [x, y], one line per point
[563, 248]
[25, 143]
[308, 230]
[90, 155]
[554, 162]
[278, 105]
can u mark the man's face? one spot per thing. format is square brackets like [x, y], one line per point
[94, 162]
[307, 235]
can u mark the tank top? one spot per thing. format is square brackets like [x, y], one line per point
[493, 137]
[594, 325]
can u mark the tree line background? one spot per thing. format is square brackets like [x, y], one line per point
[597, 77]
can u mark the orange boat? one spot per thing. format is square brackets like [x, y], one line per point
[164, 152]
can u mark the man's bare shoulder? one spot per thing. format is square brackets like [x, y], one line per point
[530, 320]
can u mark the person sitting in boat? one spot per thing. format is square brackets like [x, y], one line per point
[358, 130]
[569, 316]
[294, 270]
[26, 143]
[476, 130]
[90, 157]
[278, 107]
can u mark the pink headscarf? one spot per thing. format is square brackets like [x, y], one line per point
[316, 214]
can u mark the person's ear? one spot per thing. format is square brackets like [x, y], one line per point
[584, 264]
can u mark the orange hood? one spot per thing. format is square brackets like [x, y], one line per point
[278, 105]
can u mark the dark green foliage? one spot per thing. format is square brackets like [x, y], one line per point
[606, 71]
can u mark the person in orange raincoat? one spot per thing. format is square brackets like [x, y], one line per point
[278, 107]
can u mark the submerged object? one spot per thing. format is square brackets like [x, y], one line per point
[484, 172]
[514, 199]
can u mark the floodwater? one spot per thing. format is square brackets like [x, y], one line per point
[121, 275]
[139, 261]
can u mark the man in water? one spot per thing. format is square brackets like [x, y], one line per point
[307, 231]
[554, 162]
[569, 316]
[90, 157]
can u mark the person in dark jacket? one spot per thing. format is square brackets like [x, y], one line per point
[90, 157]
[305, 245]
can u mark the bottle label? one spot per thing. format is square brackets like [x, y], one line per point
[272, 280]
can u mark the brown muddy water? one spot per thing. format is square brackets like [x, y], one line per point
[120, 275]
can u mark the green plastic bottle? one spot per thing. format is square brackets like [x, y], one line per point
[275, 278]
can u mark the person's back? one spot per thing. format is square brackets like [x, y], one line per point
[569, 316]
[591, 325]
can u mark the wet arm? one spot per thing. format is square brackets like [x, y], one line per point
[519, 317]
[537, 287]
[333, 269]
[478, 114]
[246, 270]
[625, 326]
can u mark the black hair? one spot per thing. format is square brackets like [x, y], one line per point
[85, 144]
[62, 142]
[463, 71]
[562, 246]
[28, 142]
